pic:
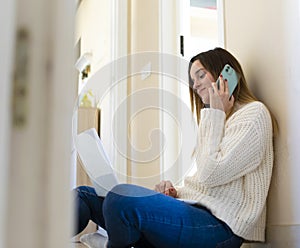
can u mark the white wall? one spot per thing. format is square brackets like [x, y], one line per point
[102, 27]
[264, 36]
[93, 26]
[142, 37]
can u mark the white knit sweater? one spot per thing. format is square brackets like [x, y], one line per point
[234, 160]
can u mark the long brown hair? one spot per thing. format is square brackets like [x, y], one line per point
[214, 61]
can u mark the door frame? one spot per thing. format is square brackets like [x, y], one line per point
[7, 16]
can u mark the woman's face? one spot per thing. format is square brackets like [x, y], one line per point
[202, 80]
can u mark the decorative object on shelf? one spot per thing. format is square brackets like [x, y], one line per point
[88, 99]
[83, 65]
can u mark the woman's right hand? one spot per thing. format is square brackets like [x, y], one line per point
[167, 188]
[219, 98]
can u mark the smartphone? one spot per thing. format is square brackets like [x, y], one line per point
[232, 78]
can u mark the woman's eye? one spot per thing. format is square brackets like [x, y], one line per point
[202, 75]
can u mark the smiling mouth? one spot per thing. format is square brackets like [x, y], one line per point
[201, 90]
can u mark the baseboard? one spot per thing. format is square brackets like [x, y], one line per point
[279, 237]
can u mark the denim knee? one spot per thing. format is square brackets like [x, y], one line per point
[131, 190]
[126, 195]
[123, 198]
[112, 202]
[119, 211]
[85, 189]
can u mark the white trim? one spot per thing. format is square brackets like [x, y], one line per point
[221, 23]
[168, 12]
[278, 236]
[161, 81]
[183, 9]
[7, 16]
[119, 37]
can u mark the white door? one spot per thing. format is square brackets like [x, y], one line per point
[201, 25]
[35, 132]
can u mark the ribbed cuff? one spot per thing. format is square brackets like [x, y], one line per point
[211, 128]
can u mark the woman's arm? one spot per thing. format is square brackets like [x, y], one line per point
[229, 150]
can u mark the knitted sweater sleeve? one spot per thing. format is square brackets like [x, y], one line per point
[227, 150]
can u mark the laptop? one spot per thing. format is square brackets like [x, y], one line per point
[97, 163]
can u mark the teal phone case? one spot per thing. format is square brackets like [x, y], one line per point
[232, 78]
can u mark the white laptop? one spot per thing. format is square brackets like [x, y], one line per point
[96, 162]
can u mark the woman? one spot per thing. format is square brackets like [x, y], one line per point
[234, 158]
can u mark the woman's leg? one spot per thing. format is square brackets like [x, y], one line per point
[88, 206]
[133, 214]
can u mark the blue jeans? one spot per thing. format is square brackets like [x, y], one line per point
[139, 217]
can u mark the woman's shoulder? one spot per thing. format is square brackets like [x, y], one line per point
[253, 106]
[253, 109]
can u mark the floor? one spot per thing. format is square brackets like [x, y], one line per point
[78, 245]
[75, 243]
[91, 227]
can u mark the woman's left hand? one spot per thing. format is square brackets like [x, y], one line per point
[219, 98]
[167, 188]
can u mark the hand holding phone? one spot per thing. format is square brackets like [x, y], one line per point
[232, 77]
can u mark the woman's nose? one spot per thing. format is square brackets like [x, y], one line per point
[196, 84]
